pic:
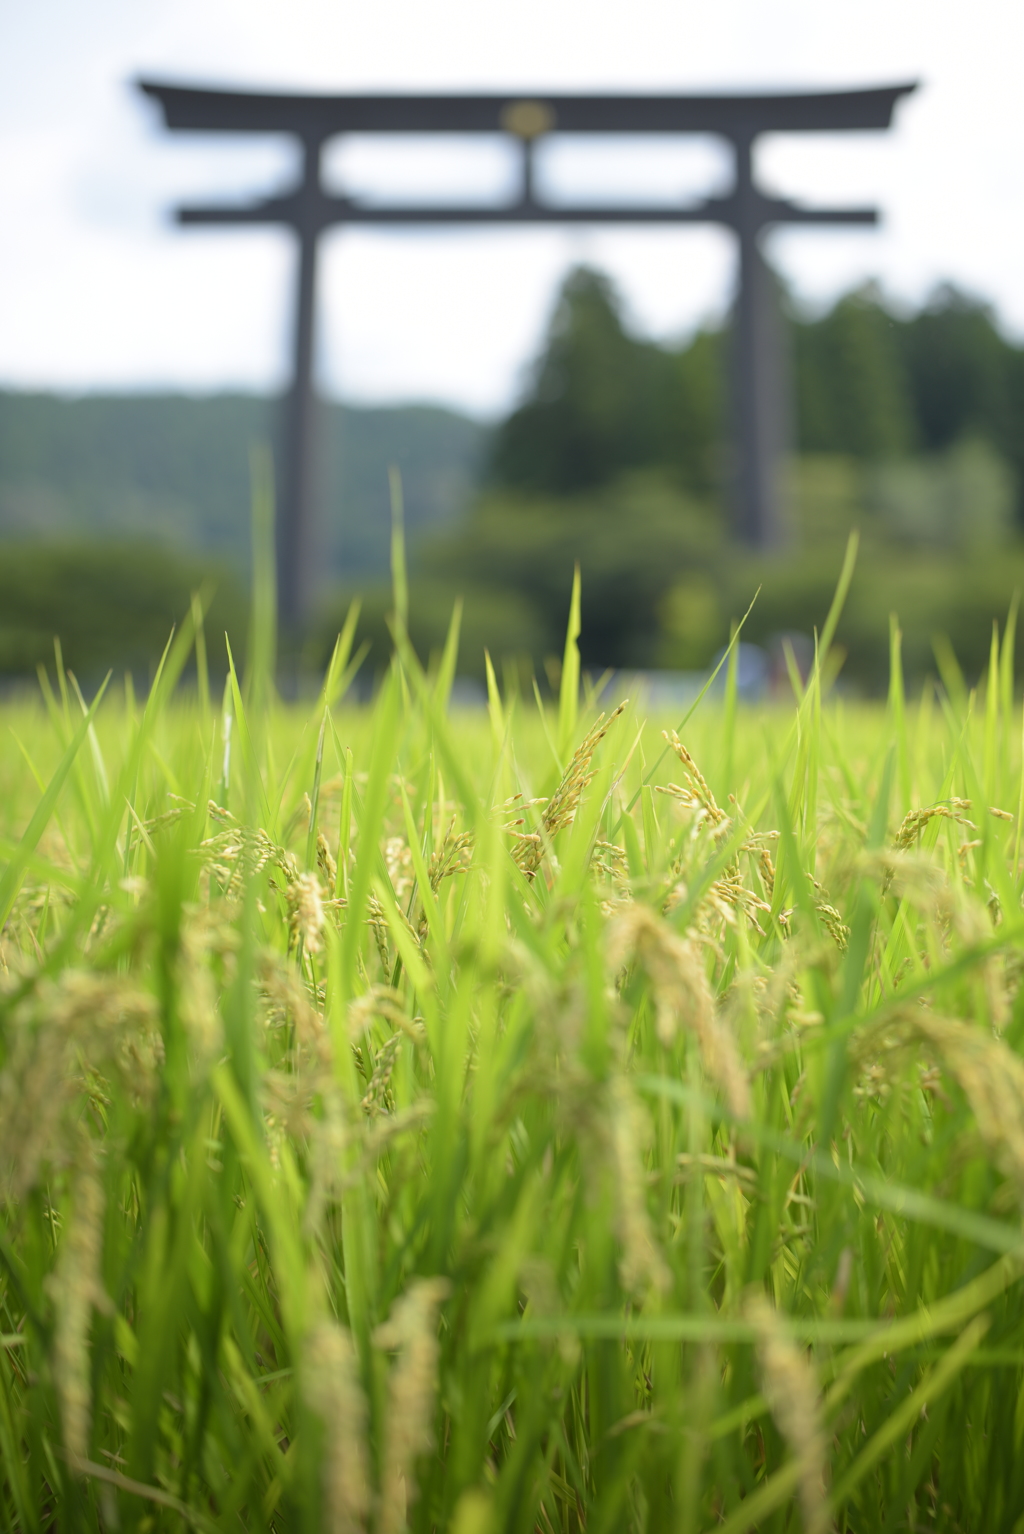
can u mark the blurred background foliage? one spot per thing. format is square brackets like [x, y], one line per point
[109, 604]
[908, 426]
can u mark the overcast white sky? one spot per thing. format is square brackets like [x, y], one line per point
[99, 290]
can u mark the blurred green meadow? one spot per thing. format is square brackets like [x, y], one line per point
[546, 1117]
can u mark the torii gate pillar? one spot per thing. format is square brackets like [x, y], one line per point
[295, 532]
[760, 382]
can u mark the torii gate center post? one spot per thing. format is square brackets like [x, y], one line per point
[758, 388]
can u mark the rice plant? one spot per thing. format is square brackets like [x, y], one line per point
[531, 1121]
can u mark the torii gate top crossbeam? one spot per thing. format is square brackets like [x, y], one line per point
[212, 111]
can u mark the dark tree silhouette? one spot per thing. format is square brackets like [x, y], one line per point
[601, 401]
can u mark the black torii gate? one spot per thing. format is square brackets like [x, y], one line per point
[758, 390]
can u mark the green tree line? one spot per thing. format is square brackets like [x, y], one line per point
[868, 382]
[909, 427]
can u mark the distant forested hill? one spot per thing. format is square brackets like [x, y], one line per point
[176, 468]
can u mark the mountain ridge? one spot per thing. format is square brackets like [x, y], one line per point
[174, 468]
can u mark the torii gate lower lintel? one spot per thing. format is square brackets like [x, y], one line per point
[758, 409]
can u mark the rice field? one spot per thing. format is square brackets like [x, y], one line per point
[538, 1120]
